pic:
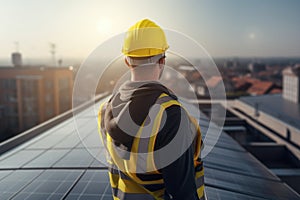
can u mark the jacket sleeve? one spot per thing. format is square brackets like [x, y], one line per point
[179, 176]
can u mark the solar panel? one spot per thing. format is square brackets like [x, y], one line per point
[238, 168]
[69, 142]
[94, 184]
[76, 158]
[19, 158]
[16, 181]
[51, 184]
[100, 159]
[216, 194]
[5, 173]
[229, 160]
[92, 140]
[47, 159]
[223, 145]
[259, 187]
[47, 142]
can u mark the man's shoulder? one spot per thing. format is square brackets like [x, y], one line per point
[167, 100]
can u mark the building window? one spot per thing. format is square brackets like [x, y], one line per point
[49, 84]
[63, 84]
[8, 84]
[49, 98]
[64, 95]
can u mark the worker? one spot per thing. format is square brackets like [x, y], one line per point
[140, 122]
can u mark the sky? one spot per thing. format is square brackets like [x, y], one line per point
[254, 28]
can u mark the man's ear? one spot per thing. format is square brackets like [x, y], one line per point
[127, 63]
[161, 61]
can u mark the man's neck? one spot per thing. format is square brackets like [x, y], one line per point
[134, 78]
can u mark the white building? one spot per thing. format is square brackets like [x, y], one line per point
[291, 84]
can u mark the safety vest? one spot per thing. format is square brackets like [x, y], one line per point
[125, 183]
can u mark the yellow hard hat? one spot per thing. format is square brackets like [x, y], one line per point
[144, 39]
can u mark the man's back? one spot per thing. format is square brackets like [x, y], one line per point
[153, 150]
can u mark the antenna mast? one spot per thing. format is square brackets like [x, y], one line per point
[17, 46]
[53, 51]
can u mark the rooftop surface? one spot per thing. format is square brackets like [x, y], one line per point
[276, 106]
[56, 165]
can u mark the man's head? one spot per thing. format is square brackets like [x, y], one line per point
[144, 49]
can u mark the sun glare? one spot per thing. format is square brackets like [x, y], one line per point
[252, 36]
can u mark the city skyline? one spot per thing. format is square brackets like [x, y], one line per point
[225, 29]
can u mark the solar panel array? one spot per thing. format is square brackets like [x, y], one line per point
[58, 165]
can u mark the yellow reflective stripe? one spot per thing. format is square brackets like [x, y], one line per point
[99, 128]
[198, 140]
[124, 165]
[199, 174]
[163, 95]
[115, 198]
[114, 179]
[139, 181]
[112, 153]
[158, 194]
[170, 103]
[99, 114]
[128, 186]
[199, 137]
[99, 121]
[133, 158]
[200, 191]
[156, 125]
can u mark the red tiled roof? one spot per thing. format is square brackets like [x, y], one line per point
[239, 83]
[243, 82]
[260, 87]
